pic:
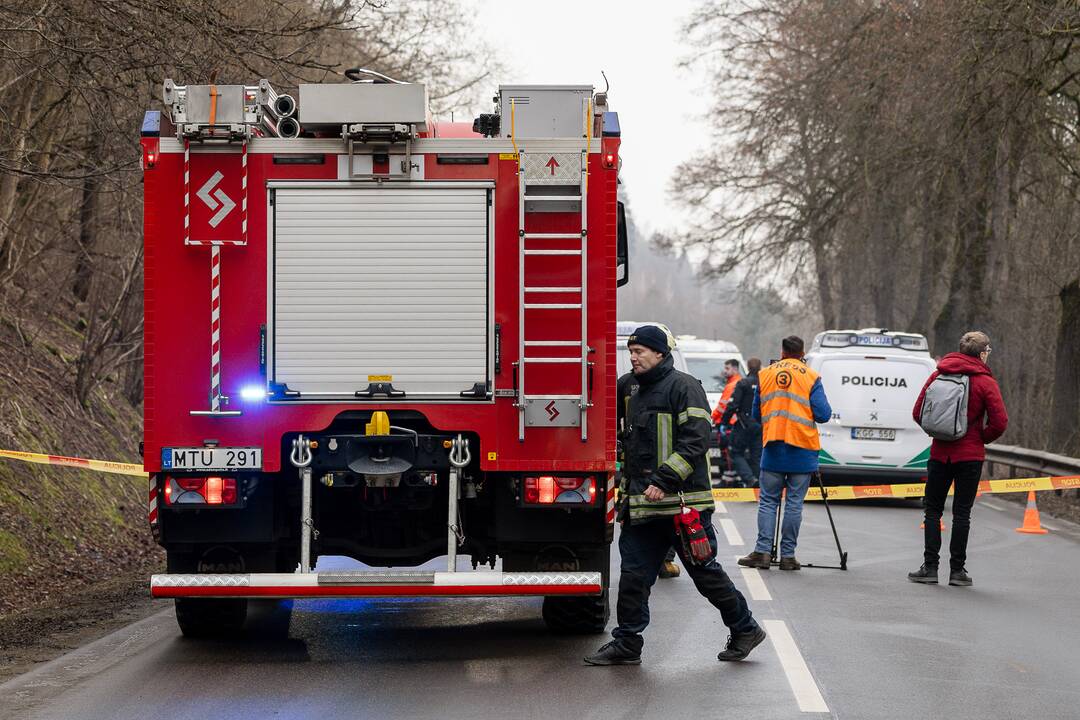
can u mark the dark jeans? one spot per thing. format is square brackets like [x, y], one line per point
[746, 452]
[939, 476]
[642, 547]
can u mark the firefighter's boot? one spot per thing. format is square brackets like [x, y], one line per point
[613, 653]
[669, 570]
[739, 646]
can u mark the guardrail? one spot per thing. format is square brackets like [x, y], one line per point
[1036, 461]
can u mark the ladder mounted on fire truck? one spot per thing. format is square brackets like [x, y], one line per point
[553, 183]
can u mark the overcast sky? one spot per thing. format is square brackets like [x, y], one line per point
[638, 45]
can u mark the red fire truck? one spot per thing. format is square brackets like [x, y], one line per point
[377, 337]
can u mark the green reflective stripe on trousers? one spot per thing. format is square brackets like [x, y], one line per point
[678, 463]
[785, 394]
[664, 438]
[694, 412]
[790, 416]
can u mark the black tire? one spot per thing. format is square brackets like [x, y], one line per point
[214, 617]
[210, 618]
[577, 615]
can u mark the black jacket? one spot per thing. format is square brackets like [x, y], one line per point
[742, 402]
[664, 427]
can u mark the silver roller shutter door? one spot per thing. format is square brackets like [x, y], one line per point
[374, 282]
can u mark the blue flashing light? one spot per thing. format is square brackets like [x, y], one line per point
[252, 393]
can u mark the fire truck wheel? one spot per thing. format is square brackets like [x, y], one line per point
[577, 615]
[214, 617]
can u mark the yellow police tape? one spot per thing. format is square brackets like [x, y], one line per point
[105, 466]
[842, 492]
[907, 490]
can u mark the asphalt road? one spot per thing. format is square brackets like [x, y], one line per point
[861, 644]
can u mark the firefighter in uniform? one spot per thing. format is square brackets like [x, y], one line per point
[627, 387]
[667, 423]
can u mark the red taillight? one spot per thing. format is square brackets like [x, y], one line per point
[200, 491]
[548, 490]
[212, 490]
[540, 490]
[150, 148]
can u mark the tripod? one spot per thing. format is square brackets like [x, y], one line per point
[780, 507]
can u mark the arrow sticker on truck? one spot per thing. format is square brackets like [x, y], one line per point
[552, 411]
[216, 200]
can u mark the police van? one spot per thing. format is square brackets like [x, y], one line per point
[872, 378]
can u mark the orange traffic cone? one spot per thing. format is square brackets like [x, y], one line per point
[922, 525]
[1031, 518]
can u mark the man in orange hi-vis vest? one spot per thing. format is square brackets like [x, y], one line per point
[731, 379]
[790, 402]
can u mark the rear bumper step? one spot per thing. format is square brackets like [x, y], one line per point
[341, 584]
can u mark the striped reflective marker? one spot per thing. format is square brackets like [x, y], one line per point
[215, 328]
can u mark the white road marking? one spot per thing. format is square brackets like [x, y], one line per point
[731, 532]
[720, 507]
[807, 694]
[755, 584]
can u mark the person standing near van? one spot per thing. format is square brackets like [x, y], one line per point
[959, 461]
[789, 403]
[746, 435]
[731, 379]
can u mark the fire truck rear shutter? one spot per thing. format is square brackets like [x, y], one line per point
[381, 286]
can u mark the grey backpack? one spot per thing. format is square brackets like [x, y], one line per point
[945, 407]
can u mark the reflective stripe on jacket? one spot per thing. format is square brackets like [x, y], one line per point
[665, 431]
[786, 414]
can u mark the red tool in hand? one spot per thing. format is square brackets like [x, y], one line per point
[692, 535]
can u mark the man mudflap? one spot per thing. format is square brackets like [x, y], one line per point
[667, 422]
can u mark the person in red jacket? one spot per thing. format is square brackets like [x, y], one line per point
[960, 461]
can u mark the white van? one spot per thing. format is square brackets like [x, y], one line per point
[625, 328]
[706, 359]
[872, 378]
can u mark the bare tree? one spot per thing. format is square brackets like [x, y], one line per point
[906, 165]
[75, 79]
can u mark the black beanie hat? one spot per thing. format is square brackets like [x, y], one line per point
[651, 337]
